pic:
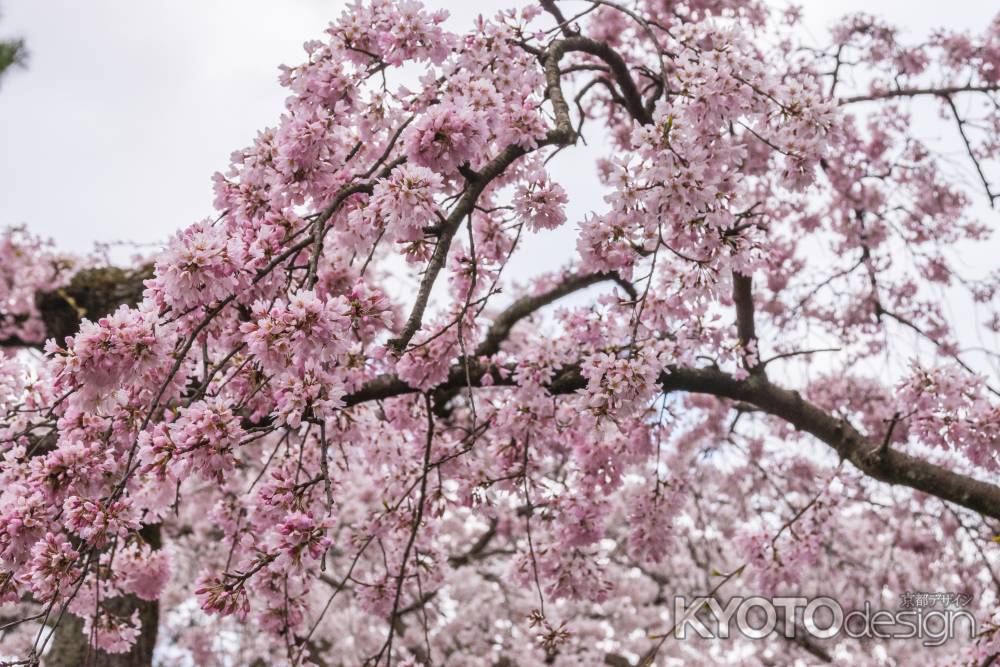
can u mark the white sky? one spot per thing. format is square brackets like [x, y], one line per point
[127, 108]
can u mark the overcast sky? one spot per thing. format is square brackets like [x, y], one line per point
[127, 108]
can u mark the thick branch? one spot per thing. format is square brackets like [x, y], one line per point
[887, 465]
[527, 305]
[630, 93]
[743, 300]
[883, 464]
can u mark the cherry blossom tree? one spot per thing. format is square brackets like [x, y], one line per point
[326, 426]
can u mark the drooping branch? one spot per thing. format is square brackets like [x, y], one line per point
[561, 135]
[945, 93]
[968, 147]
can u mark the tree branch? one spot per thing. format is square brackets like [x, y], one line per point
[564, 26]
[563, 134]
[968, 147]
[886, 465]
[527, 305]
[745, 327]
[633, 99]
[449, 227]
[918, 92]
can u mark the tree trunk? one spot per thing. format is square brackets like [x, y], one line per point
[70, 645]
[94, 293]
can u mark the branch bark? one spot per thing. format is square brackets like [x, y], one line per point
[918, 92]
[883, 464]
[746, 329]
[619, 69]
[563, 134]
[91, 293]
[70, 645]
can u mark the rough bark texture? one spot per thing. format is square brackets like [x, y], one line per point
[92, 293]
[70, 646]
